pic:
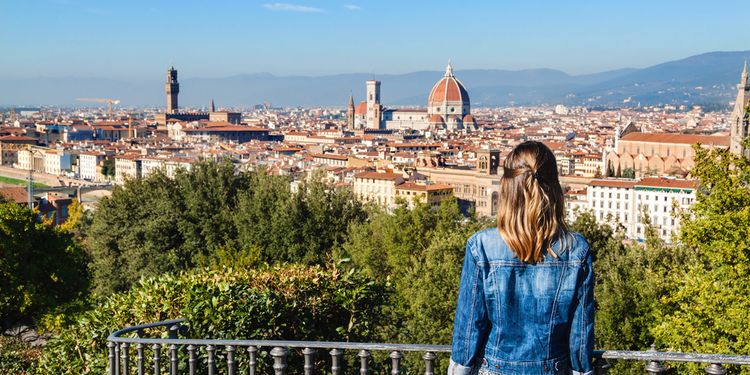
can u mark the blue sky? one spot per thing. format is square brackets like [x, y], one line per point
[137, 39]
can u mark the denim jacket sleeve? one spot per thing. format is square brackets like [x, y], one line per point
[471, 325]
[582, 326]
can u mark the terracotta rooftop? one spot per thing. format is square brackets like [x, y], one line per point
[613, 183]
[423, 187]
[378, 175]
[667, 183]
[331, 156]
[677, 138]
[15, 194]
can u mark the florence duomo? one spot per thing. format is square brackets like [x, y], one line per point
[448, 108]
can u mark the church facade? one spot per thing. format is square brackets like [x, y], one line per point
[448, 108]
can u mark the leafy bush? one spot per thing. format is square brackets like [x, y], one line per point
[283, 302]
[17, 357]
[40, 266]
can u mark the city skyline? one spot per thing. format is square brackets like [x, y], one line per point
[81, 38]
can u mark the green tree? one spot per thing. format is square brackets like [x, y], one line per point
[302, 226]
[628, 173]
[136, 232]
[40, 266]
[709, 308]
[418, 252]
[108, 167]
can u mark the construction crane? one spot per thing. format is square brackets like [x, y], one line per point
[109, 101]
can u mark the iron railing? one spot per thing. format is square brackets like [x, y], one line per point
[120, 348]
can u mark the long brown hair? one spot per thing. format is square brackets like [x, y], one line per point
[531, 215]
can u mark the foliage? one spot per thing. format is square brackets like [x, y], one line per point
[301, 226]
[17, 357]
[709, 309]
[282, 302]
[108, 167]
[628, 173]
[40, 266]
[419, 253]
[213, 215]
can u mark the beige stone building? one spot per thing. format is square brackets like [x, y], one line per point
[427, 193]
[477, 186]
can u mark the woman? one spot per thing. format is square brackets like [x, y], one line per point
[526, 299]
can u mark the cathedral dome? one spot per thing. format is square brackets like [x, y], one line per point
[448, 90]
[436, 119]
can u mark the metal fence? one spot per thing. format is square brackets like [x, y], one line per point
[121, 348]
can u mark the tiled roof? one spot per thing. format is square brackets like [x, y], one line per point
[378, 175]
[667, 183]
[613, 183]
[677, 138]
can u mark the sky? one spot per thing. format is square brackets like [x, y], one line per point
[138, 40]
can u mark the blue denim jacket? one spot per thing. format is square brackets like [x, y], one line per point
[519, 318]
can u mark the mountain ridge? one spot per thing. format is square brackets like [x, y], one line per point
[700, 79]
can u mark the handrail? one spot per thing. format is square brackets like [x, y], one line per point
[116, 340]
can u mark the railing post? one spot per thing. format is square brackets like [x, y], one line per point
[309, 354]
[364, 356]
[173, 330]
[125, 358]
[279, 360]
[230, 360]
[336, 356]
[429, 363]
[157, 359]
[716, 369]
[141, 359]
[191, 359]
[252, 352]
[654, 367]
[112, 359]
[117, 359]
[601, 366]
[173, 359]
[396, 362]
[211, 350]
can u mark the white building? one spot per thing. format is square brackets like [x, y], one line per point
[56, 161]
[127, 167]
[89, 164]
[377, 187]
[629, 201]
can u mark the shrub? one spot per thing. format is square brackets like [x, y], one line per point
[283, 302]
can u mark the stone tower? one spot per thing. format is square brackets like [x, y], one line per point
[488, 161]
[373, 104]
[350, 114]
[172, 89]
[739, 119]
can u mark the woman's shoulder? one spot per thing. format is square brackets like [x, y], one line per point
[576, 244]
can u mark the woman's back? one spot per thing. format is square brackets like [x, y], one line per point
[525, 303]
[528, 308]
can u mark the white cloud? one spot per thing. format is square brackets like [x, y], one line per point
[352, 7]
[284, 7]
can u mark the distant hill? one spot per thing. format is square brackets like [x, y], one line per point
[700, 79]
